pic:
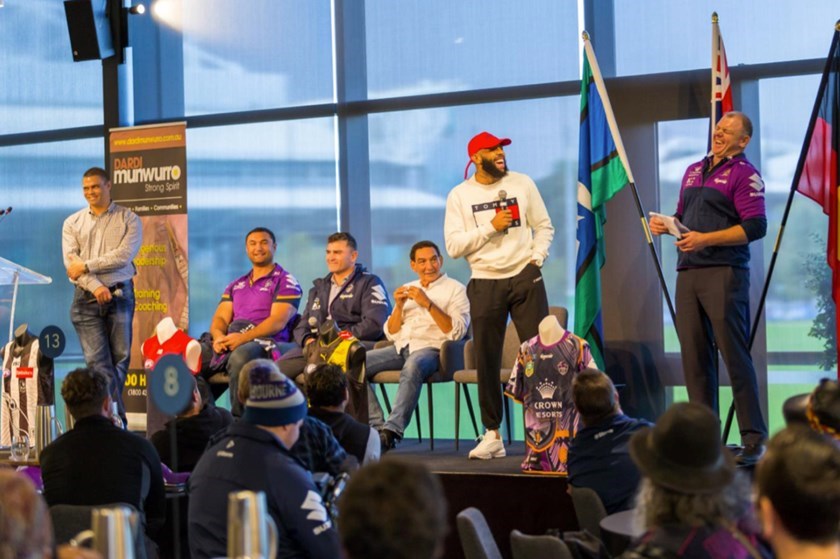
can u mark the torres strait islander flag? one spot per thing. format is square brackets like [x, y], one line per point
[602, 172]
[819, 174]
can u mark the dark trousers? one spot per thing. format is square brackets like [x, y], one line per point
[713, 310]
[523, 297]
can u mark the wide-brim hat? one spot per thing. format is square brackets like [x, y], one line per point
[683, 452]
[483, 140]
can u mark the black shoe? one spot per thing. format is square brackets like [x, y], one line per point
[388, 439]
[750, 455]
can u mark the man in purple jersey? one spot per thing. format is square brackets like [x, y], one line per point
[722, 204]
[261, 305]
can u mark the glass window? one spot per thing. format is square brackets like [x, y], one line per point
[681, 143]
[416, 47]
[48, 188]
[255, 55]
[43, 88]
[276, 175]
[651, 35]
[791, 303]
[417, 157]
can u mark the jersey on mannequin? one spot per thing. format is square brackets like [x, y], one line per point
[169, 339]
[551, 332]
[28, 381]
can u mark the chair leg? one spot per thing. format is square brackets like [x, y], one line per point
[385, 398]
[470, 408]
[417, 422]
[429, 387]
[457, 413]
[507, 419]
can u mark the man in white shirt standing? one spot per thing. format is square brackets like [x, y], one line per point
[427, 312]
[98, 245]
[497, 220]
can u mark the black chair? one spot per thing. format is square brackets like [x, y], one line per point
[451, 360]
[476, 537]
[69, 520]
[524, 546]
[589, 509]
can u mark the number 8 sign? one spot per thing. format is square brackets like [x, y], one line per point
[171, 384]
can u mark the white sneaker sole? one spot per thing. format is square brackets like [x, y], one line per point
[501, 453]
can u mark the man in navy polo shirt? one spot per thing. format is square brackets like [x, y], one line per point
[259, 307]
[599, 455]
[722, 205]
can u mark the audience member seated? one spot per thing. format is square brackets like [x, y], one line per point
[798, 487]
[257, 311]
[326, 388]
[823, 409]
[97, 463]
[427, 312]
[393, 509]
[316, 447]
[599, 456]
[254, 455]
[25, 529]
[691, 502]
[193, 428]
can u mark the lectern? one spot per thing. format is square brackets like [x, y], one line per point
[14, 275]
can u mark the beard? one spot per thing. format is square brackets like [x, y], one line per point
[489, 167]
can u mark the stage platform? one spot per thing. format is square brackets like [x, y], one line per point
[530, 503]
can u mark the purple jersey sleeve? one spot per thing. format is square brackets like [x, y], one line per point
[226, 295]
[748, 191]
[288, 290]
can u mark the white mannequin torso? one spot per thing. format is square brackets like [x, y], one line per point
[550, 330]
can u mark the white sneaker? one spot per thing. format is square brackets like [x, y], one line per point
[491, 446]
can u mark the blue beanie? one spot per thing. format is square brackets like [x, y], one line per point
[273, 399]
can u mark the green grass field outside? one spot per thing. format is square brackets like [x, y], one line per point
[781, 336]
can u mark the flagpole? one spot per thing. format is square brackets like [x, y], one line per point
[800, 165]
[713, 108]
[619, 145]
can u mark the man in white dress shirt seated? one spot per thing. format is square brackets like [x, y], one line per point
[427, 312]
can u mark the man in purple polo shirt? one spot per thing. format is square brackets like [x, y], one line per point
[258, 307]
[722, 204]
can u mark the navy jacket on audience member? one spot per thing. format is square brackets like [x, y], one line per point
[192, 435]
[599, 458]
[253, 459]
[319, 450]
[351, 434]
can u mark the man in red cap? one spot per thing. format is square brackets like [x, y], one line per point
[497, 220]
